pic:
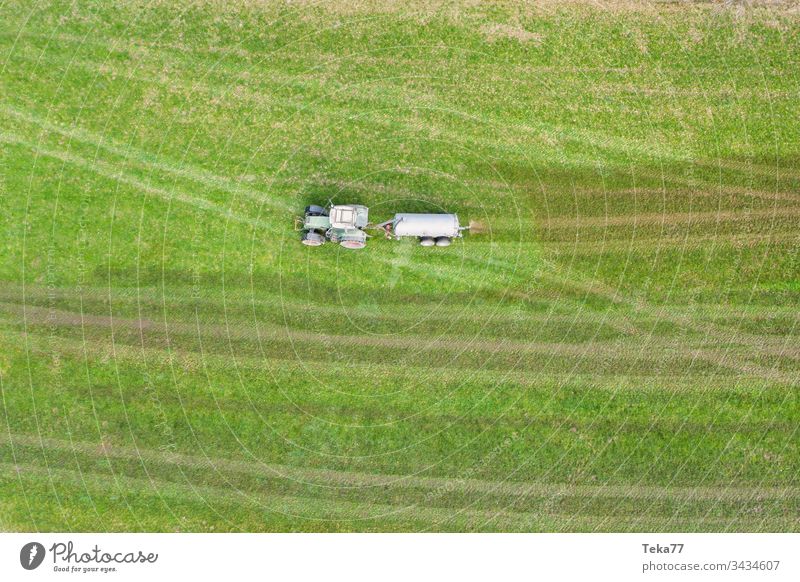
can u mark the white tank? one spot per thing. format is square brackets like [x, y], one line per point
[426, 225]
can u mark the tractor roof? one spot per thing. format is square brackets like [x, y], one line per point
[349, 216]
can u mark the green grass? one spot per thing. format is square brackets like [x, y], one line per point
[616, 352]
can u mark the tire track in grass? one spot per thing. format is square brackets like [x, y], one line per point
[339, 513]
[550, 501]
[749, 167]
[177, 297]
[593, 493]
[610, 349]
[718, 357]
[667, 218]
[651, 244]
[113, 173]
[618, 144]
[567, 312]
[191, 360]
[237, 309]
[595, 139]
[777, 347]
[707, 328]
[659, 194]
[146, 160]
[593, 286]
[306, 508]
[711, 188]
[334, 479]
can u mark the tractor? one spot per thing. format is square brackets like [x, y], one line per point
[341, 223]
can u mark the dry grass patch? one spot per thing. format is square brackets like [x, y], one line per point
[495, 32]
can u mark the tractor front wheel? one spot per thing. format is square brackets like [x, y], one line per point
[353, 244]
[314, 210]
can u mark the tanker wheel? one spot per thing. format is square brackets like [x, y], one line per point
[353, 244]
[426, 241]
[443, 241]
[312, 239]
[314, 210]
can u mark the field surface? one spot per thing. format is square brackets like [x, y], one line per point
[613, 348]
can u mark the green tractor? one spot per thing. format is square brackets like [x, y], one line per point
[341, 223]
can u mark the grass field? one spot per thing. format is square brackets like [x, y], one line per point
[616, 351]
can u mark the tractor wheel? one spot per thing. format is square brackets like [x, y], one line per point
[313, 239]
[443, 241]
[353, 244]
[426, 241]
[314, 210]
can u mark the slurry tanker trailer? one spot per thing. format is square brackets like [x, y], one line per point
[346, 224]
[430, 229]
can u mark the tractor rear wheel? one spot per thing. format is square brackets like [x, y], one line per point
[313, 239]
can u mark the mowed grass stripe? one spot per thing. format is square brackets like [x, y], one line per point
[546, 501]
[296, 507]
[258, 332]
[146, 160]
[667, 243]
[308, 513]
[215, 413]
[327, 478]
[389, 97]
[94, 351]
[668, 218]
[543, 501]
[245, 304]
[114, 173]
[250, 304]
[365, 399]
[628, 356]
[335, 320]
[254, 336]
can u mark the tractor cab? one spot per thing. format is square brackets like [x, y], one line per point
[349, 216]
